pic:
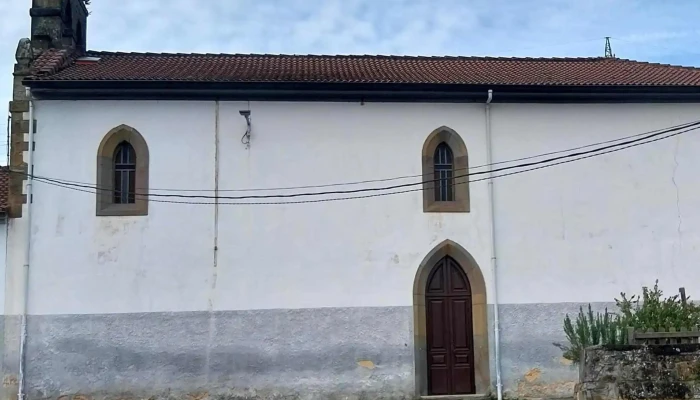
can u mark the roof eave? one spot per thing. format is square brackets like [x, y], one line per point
[357, 91]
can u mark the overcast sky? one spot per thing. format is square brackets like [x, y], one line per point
[648, 30]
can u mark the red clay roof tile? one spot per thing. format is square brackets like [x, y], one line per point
[57, 65]
[50, 61]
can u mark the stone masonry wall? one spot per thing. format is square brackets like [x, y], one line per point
[19, 129]
[640, 372]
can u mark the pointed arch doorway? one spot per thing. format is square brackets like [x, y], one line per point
[450, 324]
[449, 330]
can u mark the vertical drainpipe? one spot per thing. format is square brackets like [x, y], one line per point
[215, 261]
[217, 127]
[27, 249]
[494, 263]
[217, 157]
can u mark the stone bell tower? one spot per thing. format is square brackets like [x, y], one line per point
[56, 24]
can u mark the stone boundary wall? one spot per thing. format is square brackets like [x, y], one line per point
[633, 372]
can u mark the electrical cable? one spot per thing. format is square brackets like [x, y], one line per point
[681, 126]
[379, 189]
[357, 190]
[590, 155]
[378, 194]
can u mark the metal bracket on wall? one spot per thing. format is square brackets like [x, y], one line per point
[246, 136]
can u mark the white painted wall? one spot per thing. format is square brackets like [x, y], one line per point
[3, 260]
[580, 232]
[14, 261]
[355, 253]
[588, 230]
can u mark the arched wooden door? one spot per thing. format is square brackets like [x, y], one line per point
[449, 335]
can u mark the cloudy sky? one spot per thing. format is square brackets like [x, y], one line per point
[648, 30]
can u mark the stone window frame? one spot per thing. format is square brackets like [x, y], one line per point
[460, 161]
[105, 173]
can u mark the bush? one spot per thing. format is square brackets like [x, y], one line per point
[590, 330]
[650, 311]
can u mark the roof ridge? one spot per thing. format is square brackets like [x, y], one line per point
[344, 56]
[390, 56]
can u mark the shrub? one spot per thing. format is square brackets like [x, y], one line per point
[650, 311]
[590, 329]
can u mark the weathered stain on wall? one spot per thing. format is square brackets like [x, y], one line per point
[533, 384]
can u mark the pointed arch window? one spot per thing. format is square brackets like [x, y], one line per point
[445, 170]
[443, 166]
[122, 173]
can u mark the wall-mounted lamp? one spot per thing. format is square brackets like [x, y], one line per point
[246, 136]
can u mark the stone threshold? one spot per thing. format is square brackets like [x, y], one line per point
[457, 397]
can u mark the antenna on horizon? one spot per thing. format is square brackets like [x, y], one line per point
[608, 48]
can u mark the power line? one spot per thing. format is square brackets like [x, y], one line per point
[385, 188]
[390, 193]
[590, 155]
[352, 183]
